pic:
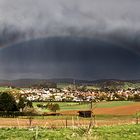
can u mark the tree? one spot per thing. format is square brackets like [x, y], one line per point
[29, 104]
[54, 107]
[21, 103]
[7, 102]
[29, 111]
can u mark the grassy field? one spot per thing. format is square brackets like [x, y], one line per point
[67, 105]
[3, 89]
[84, 106]
[123, 132]
[114, 104]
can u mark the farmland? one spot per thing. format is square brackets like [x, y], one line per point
[86, 105]
[106, 113]
[68, 124]
[98, 107]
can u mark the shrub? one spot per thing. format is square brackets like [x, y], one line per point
[54, 107]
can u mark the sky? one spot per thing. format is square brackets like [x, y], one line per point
[82, 39]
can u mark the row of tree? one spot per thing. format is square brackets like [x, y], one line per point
[10, 106]
[8, 103]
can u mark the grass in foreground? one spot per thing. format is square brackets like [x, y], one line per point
[123, 132]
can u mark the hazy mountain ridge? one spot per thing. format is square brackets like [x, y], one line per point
[100, 83]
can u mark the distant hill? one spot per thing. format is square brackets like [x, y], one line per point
[26, 82]
[31, 82]
[104, 83]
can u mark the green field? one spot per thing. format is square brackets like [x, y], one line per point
[3, 89]
[114, 104]
[123, 132]
[84, 106]
[9, 90]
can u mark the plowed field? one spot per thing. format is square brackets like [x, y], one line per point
[119, 110]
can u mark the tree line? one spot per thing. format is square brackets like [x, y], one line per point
[9, 104]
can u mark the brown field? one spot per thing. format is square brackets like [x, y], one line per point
[61, 122]
[119, 110]
[53, 123]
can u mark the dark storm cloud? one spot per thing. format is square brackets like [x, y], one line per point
[9, 34]
[86, 39]
[115, 20]
[74, 57]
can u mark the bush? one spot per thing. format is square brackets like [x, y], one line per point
[42, 106]
[53, 107]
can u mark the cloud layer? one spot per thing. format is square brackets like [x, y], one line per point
[115, 20]
[101, 36]
[67, 57]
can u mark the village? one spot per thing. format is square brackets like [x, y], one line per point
[79, 95]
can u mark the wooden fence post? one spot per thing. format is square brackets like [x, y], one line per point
[66, 122]
[72, 122]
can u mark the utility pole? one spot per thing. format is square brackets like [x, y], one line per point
[91, 118]
[91, 105]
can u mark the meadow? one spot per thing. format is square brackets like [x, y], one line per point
[64, 106]
[122, 132]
